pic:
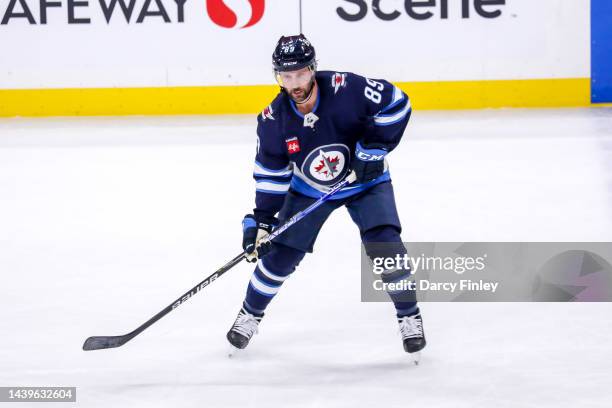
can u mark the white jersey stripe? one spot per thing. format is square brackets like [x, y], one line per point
[270, 186]
[262, 171]
[388, 119]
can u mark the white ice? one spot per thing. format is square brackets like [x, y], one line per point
[104, 221]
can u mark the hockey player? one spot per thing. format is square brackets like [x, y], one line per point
[319, 127]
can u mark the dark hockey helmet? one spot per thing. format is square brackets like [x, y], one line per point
[293, 53]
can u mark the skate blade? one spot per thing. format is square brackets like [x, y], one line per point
[416, 357]
[233, 352]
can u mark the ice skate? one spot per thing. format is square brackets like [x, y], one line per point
[242, 330]
[413, 336]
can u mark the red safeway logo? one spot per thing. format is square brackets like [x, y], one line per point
[224, 16]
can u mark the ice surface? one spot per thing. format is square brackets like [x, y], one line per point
[104, 221]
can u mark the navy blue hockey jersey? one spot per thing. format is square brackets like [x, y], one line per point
[309, 153]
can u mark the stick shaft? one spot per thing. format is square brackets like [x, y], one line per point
[104, 342]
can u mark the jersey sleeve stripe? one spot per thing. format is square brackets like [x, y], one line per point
[386, 120]
[398, 96]
[259, 190]
[275, 182]
[261, 170]
[273, 187]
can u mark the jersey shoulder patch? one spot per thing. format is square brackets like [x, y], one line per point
[343, 82]
[333, 80]
[267, 113]
[270, 112]
[338, 81]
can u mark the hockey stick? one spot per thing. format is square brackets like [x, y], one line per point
[106, 342]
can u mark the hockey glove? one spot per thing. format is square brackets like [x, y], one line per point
[252, 233]
[369, 162]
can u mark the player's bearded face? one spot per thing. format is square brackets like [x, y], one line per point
[298, 84]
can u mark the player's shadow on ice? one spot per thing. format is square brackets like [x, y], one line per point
[258, 370]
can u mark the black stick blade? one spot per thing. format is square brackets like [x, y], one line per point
[105, 342]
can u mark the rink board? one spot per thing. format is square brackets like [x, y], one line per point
[458, 54]
[573, 92]
[601, 51]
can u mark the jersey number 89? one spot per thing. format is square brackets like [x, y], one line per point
[373, 93]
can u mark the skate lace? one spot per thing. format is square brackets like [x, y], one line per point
[410, 327]
[246, 324]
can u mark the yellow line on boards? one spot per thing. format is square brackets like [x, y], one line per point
[571, 92]
[135, 101]
[530, 93]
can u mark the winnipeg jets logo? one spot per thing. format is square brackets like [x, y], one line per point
[338, 81]
[267, 113]
[310, 119]
[326, 165]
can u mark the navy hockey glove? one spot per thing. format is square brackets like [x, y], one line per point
[252, 233]
[369, 161]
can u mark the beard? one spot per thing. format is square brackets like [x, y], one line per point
[301, 95]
